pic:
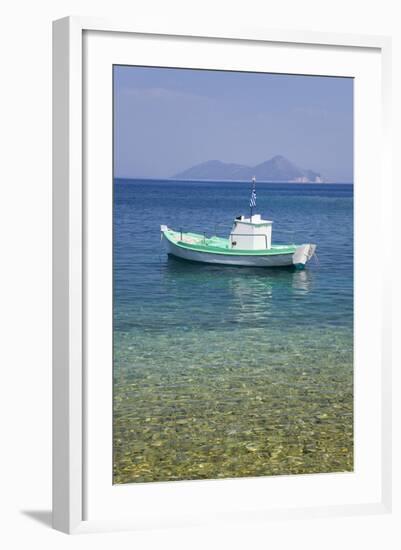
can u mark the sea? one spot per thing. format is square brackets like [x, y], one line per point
[225, 372]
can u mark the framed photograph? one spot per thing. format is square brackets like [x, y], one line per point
[220, 322]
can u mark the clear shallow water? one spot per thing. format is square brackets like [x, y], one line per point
[223, 371]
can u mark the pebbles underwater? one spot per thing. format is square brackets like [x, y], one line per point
[218, 411]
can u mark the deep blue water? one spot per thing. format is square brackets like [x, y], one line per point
[231, 371]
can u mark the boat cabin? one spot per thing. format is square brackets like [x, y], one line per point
[251, 233]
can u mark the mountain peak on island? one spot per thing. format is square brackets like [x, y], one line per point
[278, 158]
[276, 169]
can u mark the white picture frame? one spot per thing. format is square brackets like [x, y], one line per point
[70, 261]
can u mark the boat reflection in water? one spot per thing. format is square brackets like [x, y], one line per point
[302, 280]
[248, 295]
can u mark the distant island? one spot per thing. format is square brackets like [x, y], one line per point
[277, 169]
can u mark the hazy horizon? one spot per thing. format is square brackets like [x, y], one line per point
[167, 120]
[172, 179]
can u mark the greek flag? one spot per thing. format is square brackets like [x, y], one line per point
[252, 202]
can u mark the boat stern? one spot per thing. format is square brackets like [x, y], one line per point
[303, 254]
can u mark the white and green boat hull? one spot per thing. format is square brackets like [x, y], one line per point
[216, 250]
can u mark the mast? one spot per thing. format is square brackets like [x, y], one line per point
[252, 202]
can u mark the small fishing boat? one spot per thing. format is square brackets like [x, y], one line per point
[248, 244]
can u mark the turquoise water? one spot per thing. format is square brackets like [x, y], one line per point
[224, 371]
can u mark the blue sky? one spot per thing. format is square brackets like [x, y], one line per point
[167, 120]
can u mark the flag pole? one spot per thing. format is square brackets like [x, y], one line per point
[253, 197]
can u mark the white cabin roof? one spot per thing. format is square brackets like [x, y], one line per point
[256, 220]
